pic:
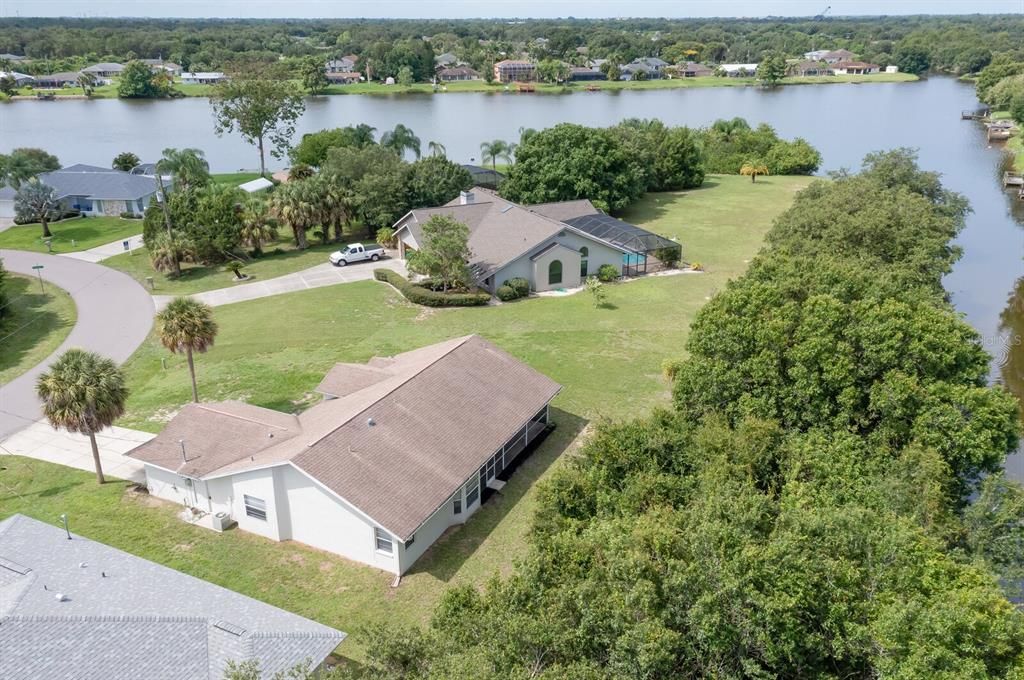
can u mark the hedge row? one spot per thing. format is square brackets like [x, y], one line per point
[429, 298]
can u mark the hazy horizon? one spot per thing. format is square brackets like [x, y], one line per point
[495, 9]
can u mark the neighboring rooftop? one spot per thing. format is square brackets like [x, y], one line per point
[98, 183]
[82, 609]
[402, 434]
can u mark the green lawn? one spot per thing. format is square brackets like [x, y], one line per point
[70, 235]
[37, 324]
[234, 178]
[273, 351]
[279, 259]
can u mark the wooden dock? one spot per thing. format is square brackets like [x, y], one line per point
[975, 114]
[1014, 180]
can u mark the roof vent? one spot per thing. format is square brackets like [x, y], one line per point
[229, 627]
[14, 566]
[371, 422]
[60, 597]
[81, 565]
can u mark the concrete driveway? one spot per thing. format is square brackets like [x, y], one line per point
[115, 314]
[42, 442]
[315, 277]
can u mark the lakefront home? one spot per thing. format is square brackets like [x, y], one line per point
[551, 245]
[400, 449]
[71, 607]
[202, 78]
[854, 68]
[106, 69]
[514, 70]
[92, 190]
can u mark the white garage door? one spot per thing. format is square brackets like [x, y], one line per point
[7, 208]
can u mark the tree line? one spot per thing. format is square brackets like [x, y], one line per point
[954, 44]
[824, 498]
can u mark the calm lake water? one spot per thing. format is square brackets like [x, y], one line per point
[843, 121]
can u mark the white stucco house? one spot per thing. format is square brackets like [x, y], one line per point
[551, 245]
[399, 450]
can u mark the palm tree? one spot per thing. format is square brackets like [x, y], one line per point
[338, 207]
[297, 205]
[437, 149]
[525, 134]
[400, 139]
[187, 325]
[256, 227]
[83, 392]
[753, 169]
[300, 171]
[729, 128]
[187, 166]
[362, 135]
[499, 148]
[87, 82]
[168, 250]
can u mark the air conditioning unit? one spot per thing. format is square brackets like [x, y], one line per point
[222, 521]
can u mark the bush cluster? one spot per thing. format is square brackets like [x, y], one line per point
[430, 298]
[513, 289]
[607, 273]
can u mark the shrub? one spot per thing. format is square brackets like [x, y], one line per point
[130, 216]
[607, 273]
[520, 285]
[507, 293]
[669, 256]
[386, 237]
[429, 298]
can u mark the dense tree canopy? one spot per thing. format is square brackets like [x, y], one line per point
[802, 511]
[728, 144]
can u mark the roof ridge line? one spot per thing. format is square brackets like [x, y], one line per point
[412, 375]
[246, 418]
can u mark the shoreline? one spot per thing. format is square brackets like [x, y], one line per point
[480, 86]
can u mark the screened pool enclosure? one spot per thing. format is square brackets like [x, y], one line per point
[647, 251]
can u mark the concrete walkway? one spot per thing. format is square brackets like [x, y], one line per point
[315, 277]
[42, 442]
[107, 250]
[115, 314]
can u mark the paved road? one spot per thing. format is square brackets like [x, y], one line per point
[315, 277]
[115, 314]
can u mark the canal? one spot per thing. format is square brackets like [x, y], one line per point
[843, 121]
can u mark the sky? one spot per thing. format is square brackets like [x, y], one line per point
[458, 9]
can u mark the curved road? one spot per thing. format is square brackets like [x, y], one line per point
[115, 314]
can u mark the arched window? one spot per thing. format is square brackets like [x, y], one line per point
[555, 272]
[584, 252]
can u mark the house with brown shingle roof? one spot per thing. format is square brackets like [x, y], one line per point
[400, 449]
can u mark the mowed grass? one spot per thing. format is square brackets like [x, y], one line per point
[280, 257]
[36, 323]
[70, 235]
[273, 351]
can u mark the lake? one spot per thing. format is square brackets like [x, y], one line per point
[843, 121]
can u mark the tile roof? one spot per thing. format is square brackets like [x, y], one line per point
[98, 183]
[125, 617]
[399, 470]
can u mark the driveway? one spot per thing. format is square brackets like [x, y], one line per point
[315, 277]
[115, 314]
[42, 442]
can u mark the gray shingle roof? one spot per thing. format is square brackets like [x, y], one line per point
[125, 617]
[98, 183]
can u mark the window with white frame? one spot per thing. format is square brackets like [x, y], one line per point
[383, 541]
[457, 504]
[255, 507]
[473, 492]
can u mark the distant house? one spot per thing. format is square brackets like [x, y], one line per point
[344, 77]
[582, 73]
[157, 65]
[445, 60]
[515, 70]
[13, 57]
[854, 68]
[739, 70]
[693, 69]
[836, 56]
[484, 177]
[57, 80]
[457, 73]
[816, 55]
[810, 68]
[202, 78]
[20, 79]
[551, 245]
[105, 69]
[92, 190]
[256, 185]
[651, 67]
[400, 449]
[7, 202]
[80, 609]
[892, 68]
[342, 65]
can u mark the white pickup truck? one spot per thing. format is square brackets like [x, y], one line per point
[356, 252]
